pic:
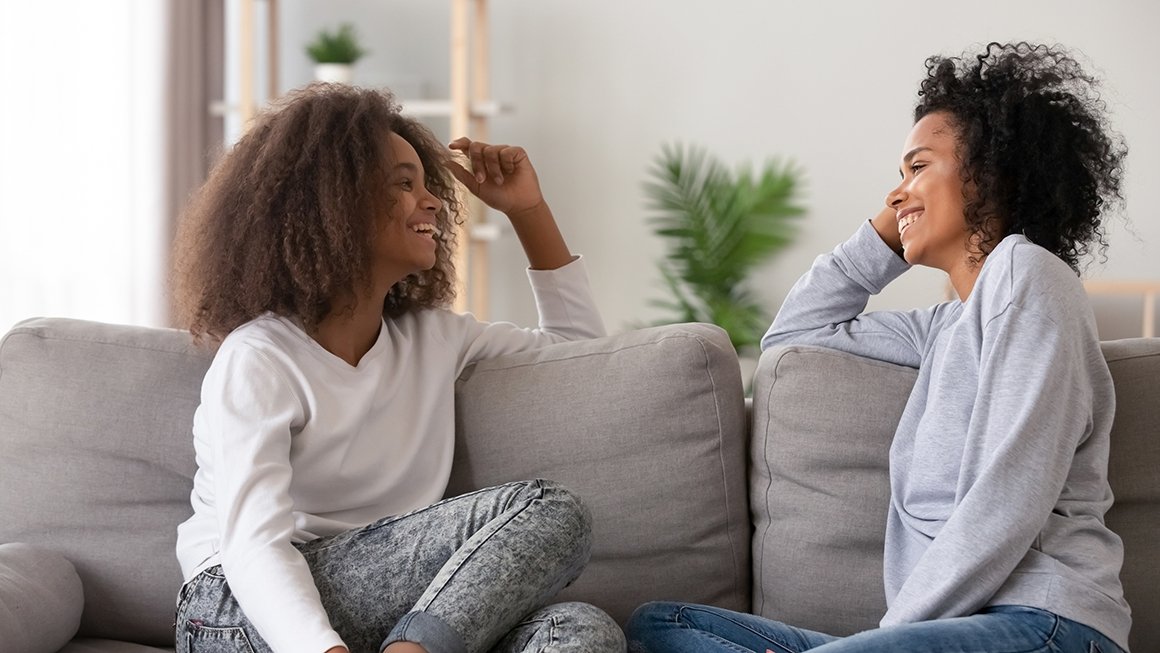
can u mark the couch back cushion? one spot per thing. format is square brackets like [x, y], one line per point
[1134, 474]
[818, 488]
[822, 425]
[97, 462]
[649, 429]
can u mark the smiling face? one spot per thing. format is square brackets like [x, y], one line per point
[405, 238]
[929, 200]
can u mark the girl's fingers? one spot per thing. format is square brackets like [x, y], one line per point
[464, 176]
[475, 153]
[511, 157]
[489, 161]
[473, 150]
[463, 146]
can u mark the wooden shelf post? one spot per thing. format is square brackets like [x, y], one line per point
[470, 89]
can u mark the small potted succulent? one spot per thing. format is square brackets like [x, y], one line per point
[334, 54]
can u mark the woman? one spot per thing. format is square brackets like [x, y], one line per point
[995, 538]
[319, 254]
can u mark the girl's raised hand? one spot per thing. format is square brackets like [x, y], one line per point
[500, 175]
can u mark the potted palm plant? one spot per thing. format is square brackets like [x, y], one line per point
[719, 225]
[334, 54]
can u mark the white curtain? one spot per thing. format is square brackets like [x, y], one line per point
[83, 226]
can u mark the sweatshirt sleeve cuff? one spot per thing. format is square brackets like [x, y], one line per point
[869, 260]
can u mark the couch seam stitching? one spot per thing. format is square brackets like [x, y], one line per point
[721, 460]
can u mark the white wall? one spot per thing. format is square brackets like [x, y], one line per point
[599, 85]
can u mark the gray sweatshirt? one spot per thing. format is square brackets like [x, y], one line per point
[998, 469]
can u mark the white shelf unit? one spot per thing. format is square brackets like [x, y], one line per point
[445, 108]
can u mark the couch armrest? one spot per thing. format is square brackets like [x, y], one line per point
[648, 428]
[40, 599]
[97, 461]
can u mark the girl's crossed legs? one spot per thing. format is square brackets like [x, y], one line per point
[468, 574]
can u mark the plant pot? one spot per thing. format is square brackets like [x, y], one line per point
[338, 73]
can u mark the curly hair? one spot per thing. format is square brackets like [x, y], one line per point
[1037, 153]
[285, 222]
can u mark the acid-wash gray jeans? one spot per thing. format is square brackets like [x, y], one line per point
[468, 574]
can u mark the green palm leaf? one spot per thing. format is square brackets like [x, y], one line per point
[719, 225]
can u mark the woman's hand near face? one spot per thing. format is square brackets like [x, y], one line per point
[503, 177]
[886, 224]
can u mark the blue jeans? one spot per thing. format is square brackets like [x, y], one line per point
[686, 628]
[465, 575]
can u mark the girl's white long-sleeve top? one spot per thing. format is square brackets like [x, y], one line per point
[293, 443]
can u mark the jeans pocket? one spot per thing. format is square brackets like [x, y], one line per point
[200, 638]
[1095, 648]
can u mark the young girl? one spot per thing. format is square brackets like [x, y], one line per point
[995, 537]
[319, 254]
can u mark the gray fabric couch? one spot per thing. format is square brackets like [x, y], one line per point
[779, 510]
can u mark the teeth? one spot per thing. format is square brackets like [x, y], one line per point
[907, 220]
[426, 228]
